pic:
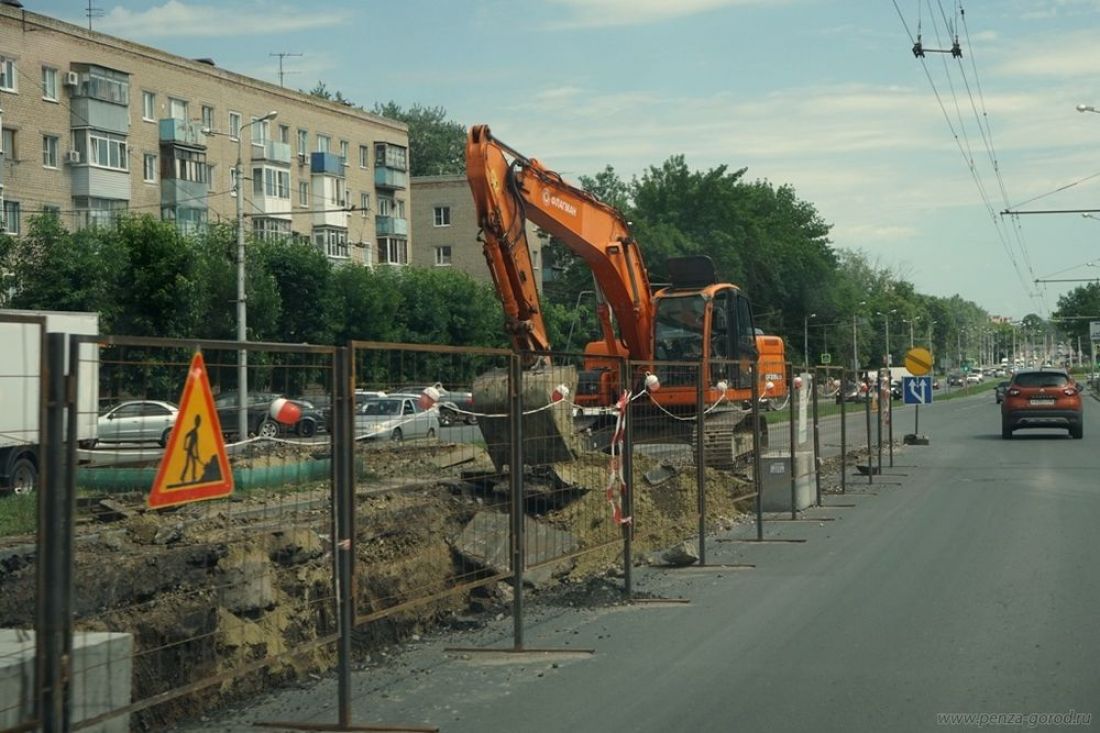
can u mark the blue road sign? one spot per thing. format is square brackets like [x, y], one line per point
[917, 390]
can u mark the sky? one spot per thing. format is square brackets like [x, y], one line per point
[909, 160]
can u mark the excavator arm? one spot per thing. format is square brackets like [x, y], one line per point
[509, 189]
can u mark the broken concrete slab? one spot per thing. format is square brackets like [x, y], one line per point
[486, 541]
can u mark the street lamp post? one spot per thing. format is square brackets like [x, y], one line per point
[886, 318]
[911, 321]
[855, 342]
[806, 338]
[242, 304]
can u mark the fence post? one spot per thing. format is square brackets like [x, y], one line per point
[343, 508]
[870, 455]
[843, 434]
[756, 448]
[890, 418]
[817, 440]
[700, 462]
[518, 541]
[878, 430]
[628, 480]
[54, 523]
[790, 424]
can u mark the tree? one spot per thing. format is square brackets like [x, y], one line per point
[321, 92]
[1077, 308]
[437, 146]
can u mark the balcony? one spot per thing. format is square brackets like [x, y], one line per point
[272, 151]
[387, 225]
[174, 192]
[390, 178]
[182, 132]
[327, 164]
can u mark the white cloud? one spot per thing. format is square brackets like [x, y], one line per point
[1071, 55]
[605, 13]
[175, 19]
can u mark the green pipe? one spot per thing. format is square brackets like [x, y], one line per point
[259, 477]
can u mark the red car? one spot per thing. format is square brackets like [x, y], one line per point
[1042, 398]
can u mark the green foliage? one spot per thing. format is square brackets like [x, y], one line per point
[1076, 308]
[437, 146]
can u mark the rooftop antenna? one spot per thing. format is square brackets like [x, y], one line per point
[282, 55]
[93, 12]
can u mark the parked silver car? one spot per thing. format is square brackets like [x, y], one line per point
[394, 418]
[137, 421]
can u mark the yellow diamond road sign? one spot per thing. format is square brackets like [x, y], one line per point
[918, 361]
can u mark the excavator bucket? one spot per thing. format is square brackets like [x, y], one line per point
[547, 423]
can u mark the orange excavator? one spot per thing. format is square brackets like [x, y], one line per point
[669, 333]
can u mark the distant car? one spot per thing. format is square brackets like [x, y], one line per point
[260, 421]
[853, 392]
[137, 421]
[895, 389]
[1042, 398]
[999, 391]
[956, 380]
[974, 378]
[456, 406]
[395, 418]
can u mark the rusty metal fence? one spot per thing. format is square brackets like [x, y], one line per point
[394, 499]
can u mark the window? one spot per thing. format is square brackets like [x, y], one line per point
[11, 217]
[7, 74]
[333, 242]
[390, 156]
[49, 83]
[177, 109]
[108, 86]
[51, 212]
[234, 125]
[323, 143]
[99, 212]
[270, 228]
[271, 182]
[207, 117]
[443, 256]
[364, 203]
[400, 213]
[284, 134]
[443, 216]
[259, 131]
[344, 151]
[7, 141]
[303, 142]
[148, 106]
[149, 168]
[233, 181]
[392, 251]
[49, 151]
[103, 150]
[385, 207]
[364, 156]
[182, 164]
[303, 193]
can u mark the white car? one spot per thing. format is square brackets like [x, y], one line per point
[394, 418]
[138, 421]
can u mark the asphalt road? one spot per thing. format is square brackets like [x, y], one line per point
[965, 583]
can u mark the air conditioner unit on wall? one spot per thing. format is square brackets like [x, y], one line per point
[72, 79]
[72, 156]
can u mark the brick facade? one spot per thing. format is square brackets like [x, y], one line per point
[433, 194]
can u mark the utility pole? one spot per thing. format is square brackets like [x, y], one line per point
[282, 55]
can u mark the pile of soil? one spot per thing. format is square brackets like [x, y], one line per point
[215, 589]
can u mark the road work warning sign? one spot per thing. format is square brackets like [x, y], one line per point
[194, 466]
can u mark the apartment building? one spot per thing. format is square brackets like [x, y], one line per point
[446, 228]
[95, 125]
